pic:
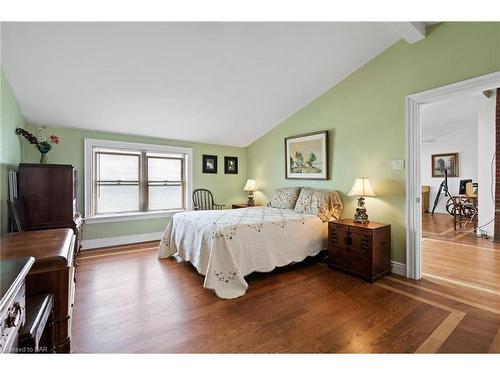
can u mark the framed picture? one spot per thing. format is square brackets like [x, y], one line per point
[230, 165]
[209, 163]
[442, 162]
[306, 156]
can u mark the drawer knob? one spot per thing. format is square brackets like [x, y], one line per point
[14, 318]
[348, 241]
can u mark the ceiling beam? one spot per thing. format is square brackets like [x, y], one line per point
[411, 31]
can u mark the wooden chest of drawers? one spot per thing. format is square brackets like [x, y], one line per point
[361, 249]
[53, 272]
[48, 195]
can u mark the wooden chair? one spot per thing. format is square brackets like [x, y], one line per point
[204, 200]
[465, 207]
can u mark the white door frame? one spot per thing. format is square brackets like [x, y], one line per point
[413, 178]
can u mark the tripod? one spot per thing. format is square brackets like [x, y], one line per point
[443, 187]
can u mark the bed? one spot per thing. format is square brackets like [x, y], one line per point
[225, 246]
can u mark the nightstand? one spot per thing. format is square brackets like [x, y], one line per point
[243, 205]
[360, 249]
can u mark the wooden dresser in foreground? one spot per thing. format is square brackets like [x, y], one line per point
[53, 272]
[360, 249]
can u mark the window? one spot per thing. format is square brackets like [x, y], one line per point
[127, 180]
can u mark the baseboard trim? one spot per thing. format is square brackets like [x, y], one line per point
[120, 240]
[398, 268]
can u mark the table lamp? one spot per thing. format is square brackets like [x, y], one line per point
[361, 189]
[250, 186]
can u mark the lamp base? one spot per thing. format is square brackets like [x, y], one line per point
[250, 202]
[361, 217]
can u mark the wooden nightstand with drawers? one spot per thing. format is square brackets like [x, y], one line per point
[243, 205]
[360, 249]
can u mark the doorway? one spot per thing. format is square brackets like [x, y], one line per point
[458, 190]
[415, 113]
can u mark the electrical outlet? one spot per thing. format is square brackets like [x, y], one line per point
[398, 164]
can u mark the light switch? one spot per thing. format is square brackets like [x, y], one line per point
[398, 164]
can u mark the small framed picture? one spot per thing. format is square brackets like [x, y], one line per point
[230, 165]
[209, 163]
[445, 162]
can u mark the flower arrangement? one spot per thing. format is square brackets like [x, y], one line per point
[41, 143]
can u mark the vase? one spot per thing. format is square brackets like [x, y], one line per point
[43, 159]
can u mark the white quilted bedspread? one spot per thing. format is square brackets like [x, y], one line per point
[227, 245]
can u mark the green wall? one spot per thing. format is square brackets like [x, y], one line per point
[10, 118]
[365, 116]
[226, 188]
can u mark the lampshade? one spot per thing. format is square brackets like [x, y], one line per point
[250, 185]
[362, 188]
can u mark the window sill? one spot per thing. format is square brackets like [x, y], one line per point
[130, 216]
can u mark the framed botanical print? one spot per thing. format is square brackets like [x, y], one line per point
[445, 162]
[306, 156]
[209, 163]
[230, 165]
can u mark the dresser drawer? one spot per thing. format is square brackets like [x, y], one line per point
[355, 260]
[339, 257]
[347, 228]
[346, 239]
[361, 263]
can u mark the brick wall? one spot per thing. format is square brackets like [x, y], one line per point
[497, 172]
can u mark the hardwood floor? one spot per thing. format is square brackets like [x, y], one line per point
[458, 258]
[130, 301]
[440, 227]
[470, 265]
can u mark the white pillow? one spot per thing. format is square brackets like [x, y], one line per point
[285, 198]
[326, 204]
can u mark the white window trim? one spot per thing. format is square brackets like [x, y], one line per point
[89, 144]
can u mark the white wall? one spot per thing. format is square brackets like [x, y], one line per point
[462, 139]
[486, 150]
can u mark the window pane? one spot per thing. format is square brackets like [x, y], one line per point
[164, 169]
[165, 197]
[112, 167]
[117, 198]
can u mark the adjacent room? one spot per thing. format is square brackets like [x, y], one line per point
[458, 190]
[250, 187]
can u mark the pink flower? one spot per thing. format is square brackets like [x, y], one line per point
[54, 139]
